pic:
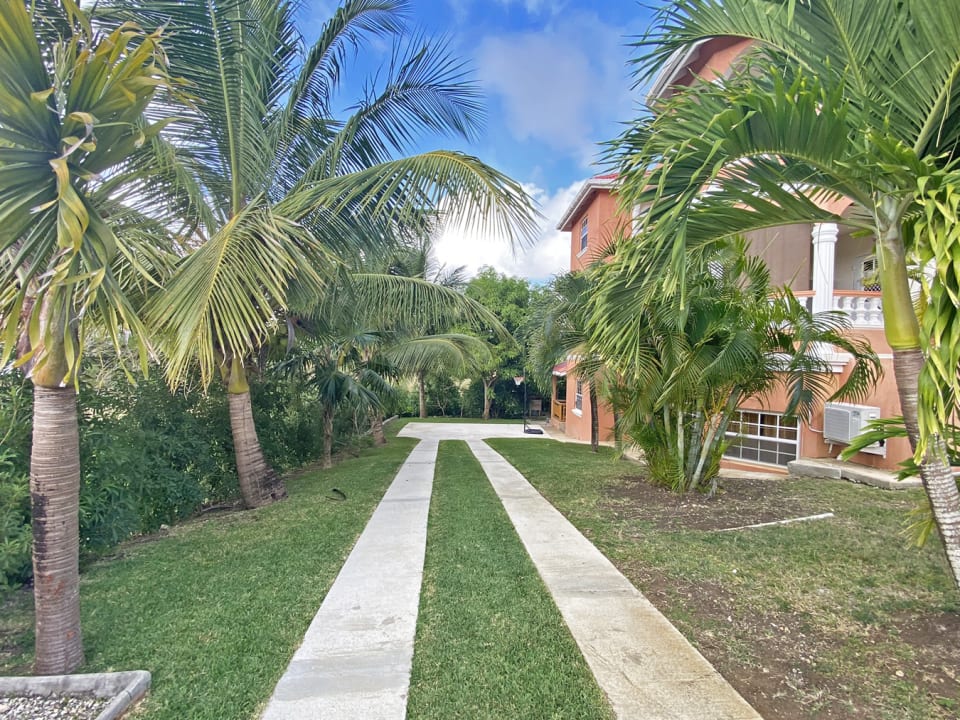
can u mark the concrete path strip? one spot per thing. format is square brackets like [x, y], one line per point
[645, 666]
[356, 656]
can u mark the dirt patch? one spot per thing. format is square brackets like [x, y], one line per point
[738, 502]
[784, 662]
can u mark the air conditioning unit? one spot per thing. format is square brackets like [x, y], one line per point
[842, 422]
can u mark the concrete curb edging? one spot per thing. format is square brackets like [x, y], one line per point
[861, 474]
[125, 688]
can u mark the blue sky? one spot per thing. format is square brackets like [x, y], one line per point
[556, 83]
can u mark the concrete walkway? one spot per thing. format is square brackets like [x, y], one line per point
[354, 661]
[356, 657]
[645, 666]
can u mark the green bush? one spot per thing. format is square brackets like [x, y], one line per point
[15, 535]
[150, 456]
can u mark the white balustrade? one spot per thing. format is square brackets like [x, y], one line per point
[863, 309]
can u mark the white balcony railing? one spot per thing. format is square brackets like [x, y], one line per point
[862, 307]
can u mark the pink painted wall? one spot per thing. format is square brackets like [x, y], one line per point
[604, 222]
[578, 426]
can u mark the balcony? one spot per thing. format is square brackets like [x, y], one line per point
[862, 307]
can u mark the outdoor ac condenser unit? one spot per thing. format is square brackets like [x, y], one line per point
[842, 422]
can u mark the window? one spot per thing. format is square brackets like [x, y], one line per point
[584, 234]
[578, 398]
[762, 437]
[867, 277]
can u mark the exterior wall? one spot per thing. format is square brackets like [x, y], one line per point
[578, 425]
[713, 60]
[883, 396]
[788, 253]
[849, 254]
[603, 224]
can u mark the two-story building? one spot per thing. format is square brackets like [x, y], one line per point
[823, 263]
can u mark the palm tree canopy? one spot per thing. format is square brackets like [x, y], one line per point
[73, 119]
[836, 98]
[288, 187]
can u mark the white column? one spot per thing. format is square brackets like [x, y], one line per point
[824, 250]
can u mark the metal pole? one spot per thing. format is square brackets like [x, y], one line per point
[523, 413]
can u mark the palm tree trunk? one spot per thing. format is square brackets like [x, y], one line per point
[422, 390]
[259, 483]
[936, 474]
[376, 428]
[487, 399]
[594, 420]
[903, 334]
[55, 496]
[327, 438]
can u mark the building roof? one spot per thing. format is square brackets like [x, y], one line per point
[560, 369]
[673, 70]
[590, 188]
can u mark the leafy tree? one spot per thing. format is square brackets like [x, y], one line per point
[284, 190]
[679, 385]
[556, 329]
[73, 129]
[363, 334]
[508, 299]
[840, 98]
[437, 349]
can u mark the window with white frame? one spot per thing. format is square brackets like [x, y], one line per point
[764, 437]
[578, 398]
[584, 234]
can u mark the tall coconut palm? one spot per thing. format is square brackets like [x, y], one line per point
[840, 98]
[289, 188]
[72, 106]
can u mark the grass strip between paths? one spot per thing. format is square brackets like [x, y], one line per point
[490, 641]
[216, 610]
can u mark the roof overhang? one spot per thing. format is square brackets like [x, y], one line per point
[583, 198]
[560, 369]
[672, 70]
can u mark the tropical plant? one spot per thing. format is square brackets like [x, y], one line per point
[284, 190]
[439, 350]
[679, 385]
[367, 332]
[73, 129]
[557, 330]
[839, 99]
[508, 299]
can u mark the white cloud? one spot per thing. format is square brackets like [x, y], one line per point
[560, 84]
[549, 255]
[535, 6]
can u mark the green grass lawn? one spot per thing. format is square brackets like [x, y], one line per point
[838, 618]
[490, 641]
[215, 610]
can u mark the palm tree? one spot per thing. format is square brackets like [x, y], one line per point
[368, 331]
[430, 348]
[557, 330]
[840, 98]
[287, 189]
[680, 385]
[72, 126]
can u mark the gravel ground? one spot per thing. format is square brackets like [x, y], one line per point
[54, 707]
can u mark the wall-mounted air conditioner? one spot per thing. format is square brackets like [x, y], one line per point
[842, 422]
